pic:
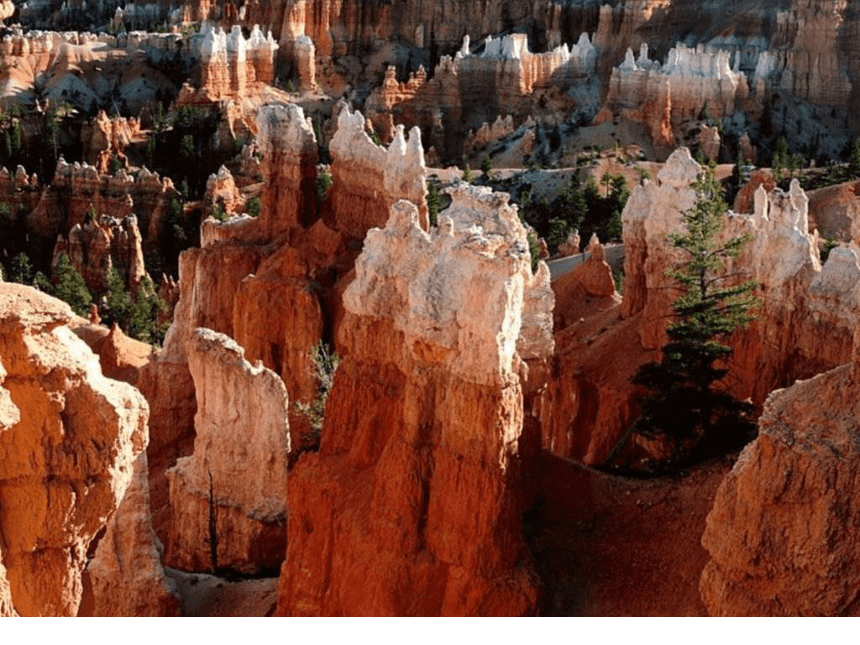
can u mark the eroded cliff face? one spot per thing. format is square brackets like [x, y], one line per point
[783, 530]
[227, 499]
[68, 440]
[412, 505]
[79, 189]
[272, 283]
[468, 90]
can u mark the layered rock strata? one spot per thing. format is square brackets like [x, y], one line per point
[412, 505]
[227, 499]
[662, 96]
[68, 441]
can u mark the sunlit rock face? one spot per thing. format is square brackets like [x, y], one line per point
[68, 441]
[416, 490]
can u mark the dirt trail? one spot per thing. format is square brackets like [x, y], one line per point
[614, 546]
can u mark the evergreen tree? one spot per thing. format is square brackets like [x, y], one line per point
[854, 159]
[118, 301]
[70, 287]
[684, 404]
[487, 167]
[21, 269]
[434, 200]
[142, 320]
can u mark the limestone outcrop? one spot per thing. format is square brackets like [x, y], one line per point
[272, 283]
[231, 65]
[68, 441]
[79, 189]
[105, 138]
[782, 534]
[227, 499]
[662, 96]
[81, 68]
[412, 505]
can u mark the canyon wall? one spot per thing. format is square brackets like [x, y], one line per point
[68, 441]
[412, 505]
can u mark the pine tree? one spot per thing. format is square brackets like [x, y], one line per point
[70, 287]
[118, 301]
[685, 406]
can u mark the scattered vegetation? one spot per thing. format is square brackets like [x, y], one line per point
[325, 363]
[253, 207]
[323, 184]
[578, 207]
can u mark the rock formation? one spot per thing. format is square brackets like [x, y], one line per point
[799, 296]
[102, 244]
[662, 96]
[368, 179]
[227, 499]
[106, 138]
[232, 65]
[835, 212]
[804, 323]
[487, 134]
[79, 189]
[83, 68]
[412, 504]
[270, 282]
[7, 607]
[782, 531]
[126, 574]
[68, 440]
[468, 90]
